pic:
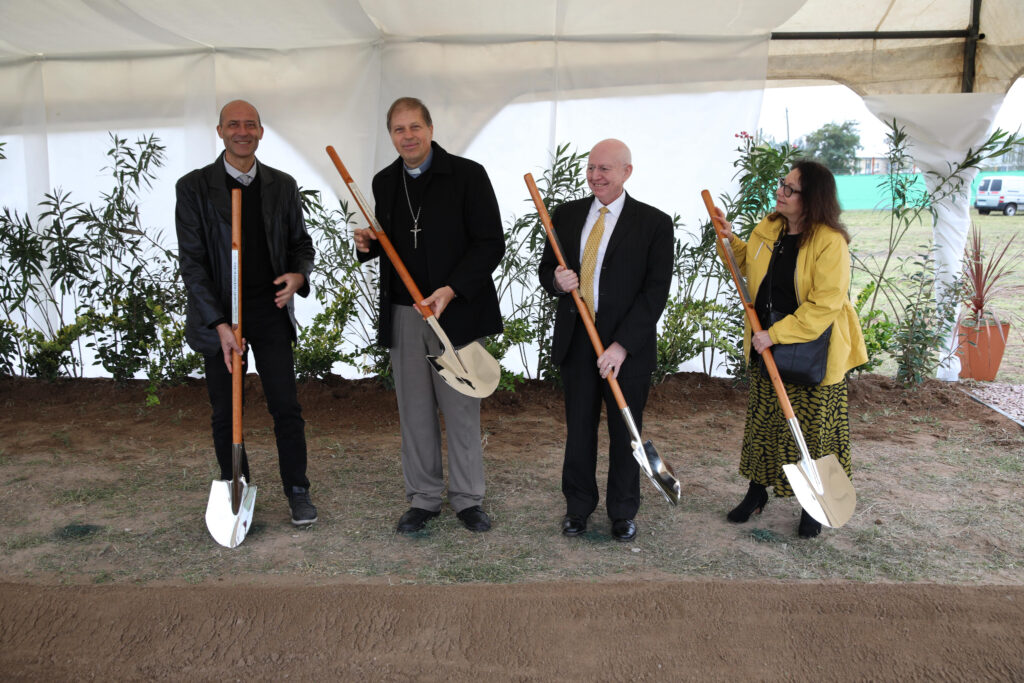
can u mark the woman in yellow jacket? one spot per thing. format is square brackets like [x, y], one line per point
[806, 288]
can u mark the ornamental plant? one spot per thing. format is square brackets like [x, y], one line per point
[984, 275]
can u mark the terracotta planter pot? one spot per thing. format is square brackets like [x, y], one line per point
[981, 351]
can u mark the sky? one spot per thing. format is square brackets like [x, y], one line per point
[809, 108]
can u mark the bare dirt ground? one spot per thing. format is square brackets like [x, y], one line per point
[107, 570]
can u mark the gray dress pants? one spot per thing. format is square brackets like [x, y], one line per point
[421, 393]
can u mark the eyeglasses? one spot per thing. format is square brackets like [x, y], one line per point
[787, 190]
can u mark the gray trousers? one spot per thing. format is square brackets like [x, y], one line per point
[421, 392]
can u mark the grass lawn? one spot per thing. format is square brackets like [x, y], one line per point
[870, 232]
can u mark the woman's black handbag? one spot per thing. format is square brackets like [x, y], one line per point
[800, 363]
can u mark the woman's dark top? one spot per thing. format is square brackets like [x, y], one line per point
[778, 290]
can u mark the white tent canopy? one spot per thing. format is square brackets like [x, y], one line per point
[321, 69]
[324, 71]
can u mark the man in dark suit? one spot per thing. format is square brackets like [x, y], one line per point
[440, 212]
[619, 253]
[277, 256]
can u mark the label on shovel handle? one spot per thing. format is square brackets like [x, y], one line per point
[235, 265]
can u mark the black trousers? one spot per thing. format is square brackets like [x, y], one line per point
[268, 332]
[584, 393]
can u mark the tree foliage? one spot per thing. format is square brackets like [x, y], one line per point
[835, 145]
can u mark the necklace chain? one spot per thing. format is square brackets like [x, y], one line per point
[415, 217]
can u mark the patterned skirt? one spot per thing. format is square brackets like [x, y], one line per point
[824, 417]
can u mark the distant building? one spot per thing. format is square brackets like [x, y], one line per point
[871, 165]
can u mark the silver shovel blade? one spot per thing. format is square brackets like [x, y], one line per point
[227, 528]
[834, 502]
[658, 471]
[651, 464]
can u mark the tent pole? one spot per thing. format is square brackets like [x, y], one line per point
[971, 47]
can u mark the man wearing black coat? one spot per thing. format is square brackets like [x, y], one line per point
[440, 212]
[621, 250]
[277, 256]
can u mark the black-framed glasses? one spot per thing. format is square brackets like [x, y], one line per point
[787, 190]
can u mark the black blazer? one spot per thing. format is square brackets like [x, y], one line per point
[635, 277]
[202, 217]
[461, 217]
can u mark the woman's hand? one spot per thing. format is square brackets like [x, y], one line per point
[761, 340]
[726, 226]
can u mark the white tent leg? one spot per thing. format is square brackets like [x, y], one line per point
[942, 127]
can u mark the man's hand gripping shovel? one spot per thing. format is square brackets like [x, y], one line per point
[821, 485]
[469, 370]
[229, 512]
[651, 464]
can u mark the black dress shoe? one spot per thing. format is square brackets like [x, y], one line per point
[573, 525]
[474, 518]
[415, 519]
[623, 530]
[809, 526]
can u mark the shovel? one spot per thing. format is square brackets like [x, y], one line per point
[651, 464]
[229, 511]
[469, 370]
[821, 485]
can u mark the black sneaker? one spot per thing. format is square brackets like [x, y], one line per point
[303, 511]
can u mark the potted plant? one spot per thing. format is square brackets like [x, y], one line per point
[982, 331]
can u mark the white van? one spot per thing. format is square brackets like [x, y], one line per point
[1000, 193]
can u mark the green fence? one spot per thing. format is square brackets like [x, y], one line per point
[863, 192]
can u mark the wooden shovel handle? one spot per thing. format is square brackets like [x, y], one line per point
[236, 360]
[748, 306]
[382, 237]
[585, 315]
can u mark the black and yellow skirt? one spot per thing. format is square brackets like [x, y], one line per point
[824, 417]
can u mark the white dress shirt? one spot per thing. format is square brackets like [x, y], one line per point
[246, 178]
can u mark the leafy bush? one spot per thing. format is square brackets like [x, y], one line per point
[100, 268]
[920, 335]
[529, 310]
[346, 330]
[879, 331]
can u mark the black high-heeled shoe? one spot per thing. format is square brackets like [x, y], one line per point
[809, 526]
[754, 501]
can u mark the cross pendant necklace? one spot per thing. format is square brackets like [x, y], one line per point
[416, 230]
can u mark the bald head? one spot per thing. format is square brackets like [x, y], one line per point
[241, 131]
[608, 168]
[238, 106]
[613, 149]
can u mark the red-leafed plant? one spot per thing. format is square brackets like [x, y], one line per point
[984, 276]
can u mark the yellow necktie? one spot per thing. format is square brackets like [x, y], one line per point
[589, 263]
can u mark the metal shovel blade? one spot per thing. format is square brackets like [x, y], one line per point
[227, 528]
[658, 471]
[651, 464]
[833, 501]
[470, 370]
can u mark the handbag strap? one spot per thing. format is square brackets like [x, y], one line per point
[771, 274]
